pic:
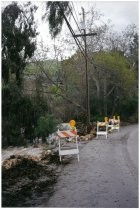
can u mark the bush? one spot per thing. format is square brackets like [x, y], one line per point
[17, 112]
[45, 126]
[129, 109]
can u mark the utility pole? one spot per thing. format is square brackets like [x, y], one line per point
[84, 35]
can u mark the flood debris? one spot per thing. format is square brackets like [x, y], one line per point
[28, 172]
[87, 137]
[24, 177]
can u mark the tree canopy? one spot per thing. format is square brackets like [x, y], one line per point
[38, 93]
[18, 39]
[55, 11]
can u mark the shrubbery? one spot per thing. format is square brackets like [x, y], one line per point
[19, 111]
[45, 126]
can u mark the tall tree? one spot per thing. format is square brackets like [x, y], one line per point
[18, 39]
[131, 43]
[116, 80]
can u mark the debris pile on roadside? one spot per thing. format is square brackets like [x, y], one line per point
[86, 132]
[26, 176]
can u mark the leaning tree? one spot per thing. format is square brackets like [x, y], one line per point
[18, 39]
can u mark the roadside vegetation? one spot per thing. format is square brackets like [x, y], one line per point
[39, 93]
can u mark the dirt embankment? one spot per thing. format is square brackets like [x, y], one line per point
[25, 177]
[27, 172]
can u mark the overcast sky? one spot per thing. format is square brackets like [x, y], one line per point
[121, 14]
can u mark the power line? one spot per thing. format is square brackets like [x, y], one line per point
[76, 15]
[76, 21]
[83, 51]
[74, 18]
[75, 38]
[81, 35]
[72, 32]
[86, 64]
[74, 11]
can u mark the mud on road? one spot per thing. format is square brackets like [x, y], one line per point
[105, 176]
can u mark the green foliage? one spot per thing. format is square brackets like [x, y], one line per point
[18, 44]
[117, 85]
[96, 118]
[129, 109]
[56, 10]
[46, 125]
[117, 82]
[17, 112]
[47, 66]
[55, 90]
[112, 79]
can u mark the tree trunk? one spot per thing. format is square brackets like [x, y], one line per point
[97, 87]
[105, 97]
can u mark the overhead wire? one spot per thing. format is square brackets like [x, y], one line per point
[72, 32]
[75, 38]
[75, 19]
[74, 10]
[73, 16]
[78, 28]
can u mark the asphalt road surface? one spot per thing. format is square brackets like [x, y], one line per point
[105, 177]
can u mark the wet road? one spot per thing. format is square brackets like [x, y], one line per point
[105, 177]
